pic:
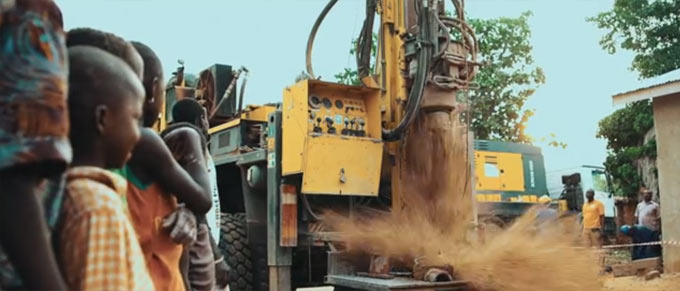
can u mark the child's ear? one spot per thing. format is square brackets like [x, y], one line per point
[100, 114]
[154, 90]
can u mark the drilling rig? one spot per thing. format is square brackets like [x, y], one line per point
[332, 146]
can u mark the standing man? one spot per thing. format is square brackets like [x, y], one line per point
[647, 211]
[593, 220]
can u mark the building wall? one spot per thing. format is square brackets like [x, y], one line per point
[667, 124]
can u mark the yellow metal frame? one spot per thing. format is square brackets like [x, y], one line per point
[331, 164]
[390, 63]
[510, 176]
[252, 113]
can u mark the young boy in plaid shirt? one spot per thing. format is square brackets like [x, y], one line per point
[97, 246]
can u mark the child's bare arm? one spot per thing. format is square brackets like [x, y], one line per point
[185, 145]
[23, 232]
[157, 160]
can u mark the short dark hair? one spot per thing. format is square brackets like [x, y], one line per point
[152, 64]
[88, 67]
[109, 42]
[187, 110]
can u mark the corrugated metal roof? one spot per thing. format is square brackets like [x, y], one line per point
[638, 88]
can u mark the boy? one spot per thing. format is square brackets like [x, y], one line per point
[189, 115]
[34, 147]
[98, 248]
[109, 42]
[153, 174]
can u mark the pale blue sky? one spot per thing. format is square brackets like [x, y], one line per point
[269, 38]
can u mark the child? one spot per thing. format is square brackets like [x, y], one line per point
[153, 174]
[109, 42]
[189, 115]
[34, 147]
[98, 248]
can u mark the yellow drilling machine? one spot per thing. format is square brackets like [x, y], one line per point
[330, 146]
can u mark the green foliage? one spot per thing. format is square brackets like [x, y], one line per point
[627, 127]
[625, 131]
[348, 77]
[502, 85]
[506, 80]
[351, 76]
[649, 28]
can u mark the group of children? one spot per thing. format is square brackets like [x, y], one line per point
[90, 196]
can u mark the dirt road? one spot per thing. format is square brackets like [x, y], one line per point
[665, 283]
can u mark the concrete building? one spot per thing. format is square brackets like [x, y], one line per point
[664, 91]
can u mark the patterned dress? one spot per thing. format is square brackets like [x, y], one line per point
[33, 109]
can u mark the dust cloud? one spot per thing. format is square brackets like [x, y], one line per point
[434, 222]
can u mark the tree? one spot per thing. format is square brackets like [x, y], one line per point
[503, 84]
[625, 132]
[506, 80]
[649, 28]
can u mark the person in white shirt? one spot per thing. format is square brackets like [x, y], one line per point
[647, 211]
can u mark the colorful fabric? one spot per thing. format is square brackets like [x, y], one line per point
[33, 117]
[592, 214]
[97, 245]
[33, 88]
[148, 206]
[648, 214]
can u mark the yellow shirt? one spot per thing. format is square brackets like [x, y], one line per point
[592, 211]
[98, 246]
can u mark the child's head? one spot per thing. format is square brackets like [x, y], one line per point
[105, 104]
[189, 110]
[153, 83]
[108, 42]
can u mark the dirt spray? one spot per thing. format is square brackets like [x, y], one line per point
[435, 224]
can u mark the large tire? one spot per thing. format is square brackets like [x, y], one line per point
[234, 245]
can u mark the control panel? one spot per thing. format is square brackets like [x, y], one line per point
[332, 135]
[337, 115]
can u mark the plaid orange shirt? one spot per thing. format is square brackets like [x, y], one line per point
[98, 247]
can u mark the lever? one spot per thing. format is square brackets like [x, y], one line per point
[329, 123]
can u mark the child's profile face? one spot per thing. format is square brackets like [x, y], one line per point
[123, 134]
[153, 104]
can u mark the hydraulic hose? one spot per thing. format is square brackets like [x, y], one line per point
[241, 94]
[312, 35]
[365, 41]
[425, 41]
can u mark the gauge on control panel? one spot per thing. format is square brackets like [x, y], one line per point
[338, 104]
[327, 103]
[314, 102]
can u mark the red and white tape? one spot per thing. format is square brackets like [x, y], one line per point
[654, 243]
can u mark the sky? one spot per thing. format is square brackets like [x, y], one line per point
[269, 38]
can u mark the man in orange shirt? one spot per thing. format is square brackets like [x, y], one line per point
[593, 220]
